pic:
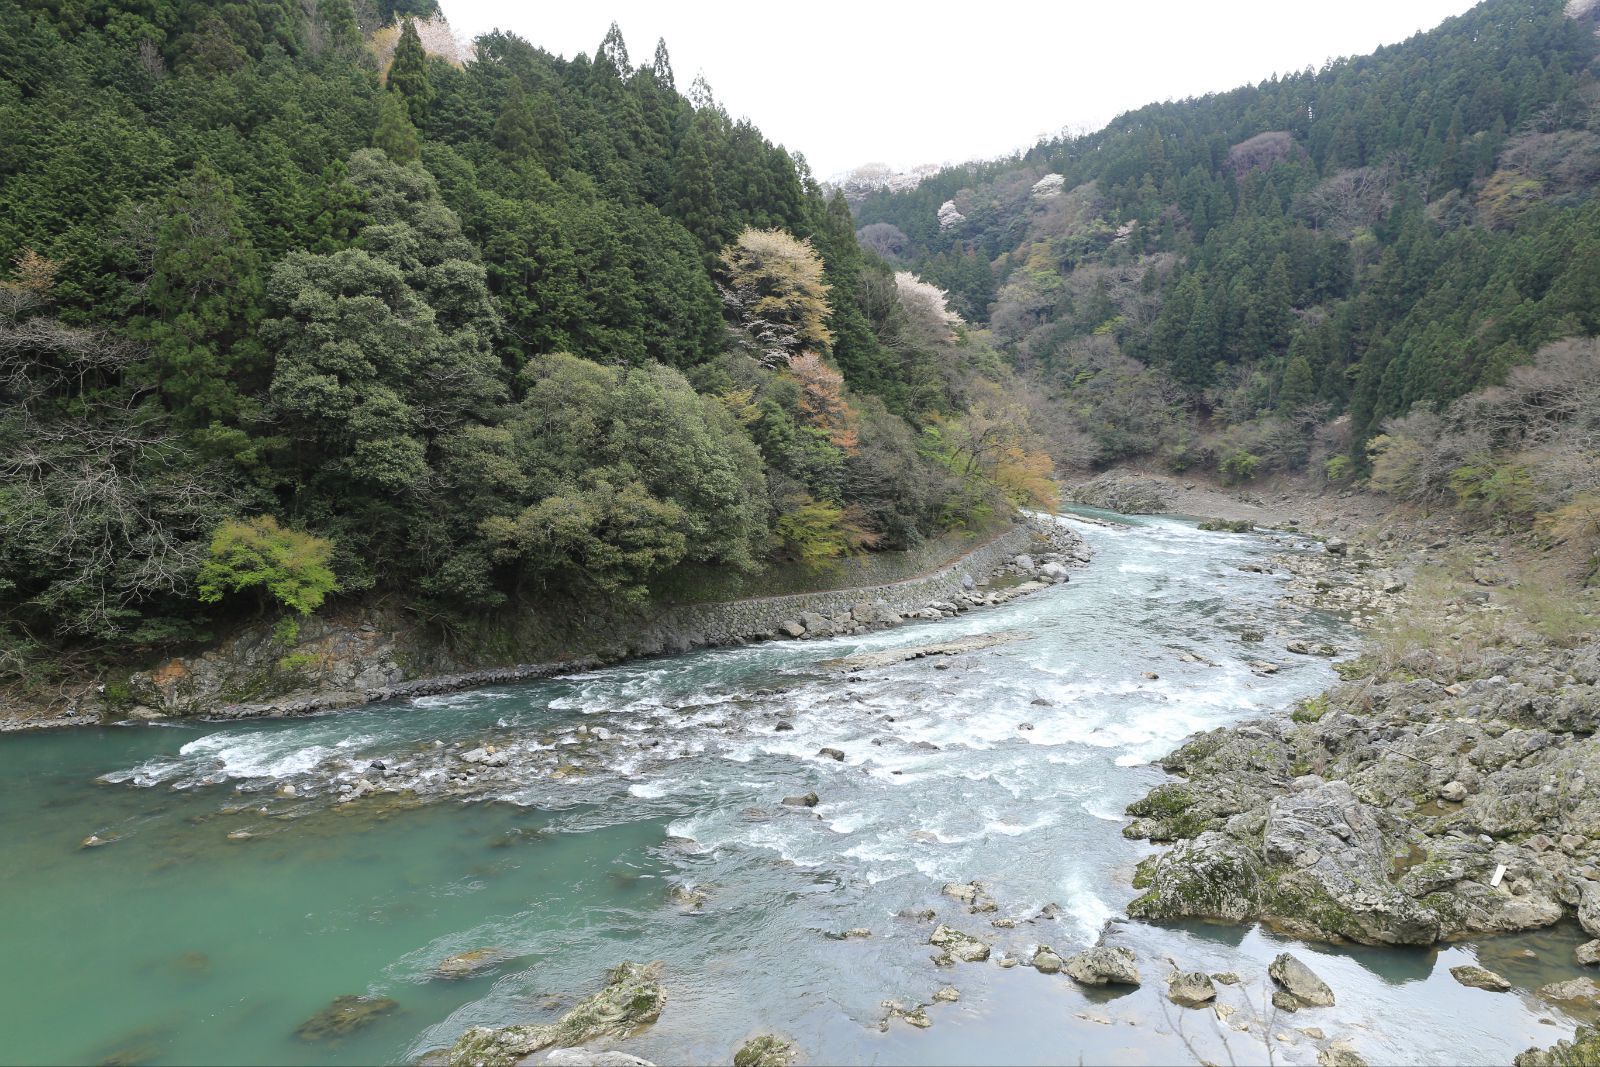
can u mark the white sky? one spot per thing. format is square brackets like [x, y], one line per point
[862, 82]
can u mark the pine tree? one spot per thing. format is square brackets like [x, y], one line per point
[205, 296]
[408, 75]
[613, 53]
[695, 203]
[661, 67]
[516, 131]
[1297, 389]
[395, 134]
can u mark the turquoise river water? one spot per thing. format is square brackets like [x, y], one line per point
[178, 944]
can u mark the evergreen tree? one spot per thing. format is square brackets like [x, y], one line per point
[395, 134]
[661, 68]
[204, 298]
[695, 203]
[408, 75]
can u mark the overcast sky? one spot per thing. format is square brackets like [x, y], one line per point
[862, 82]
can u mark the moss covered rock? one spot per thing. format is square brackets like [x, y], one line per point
[631, 1000]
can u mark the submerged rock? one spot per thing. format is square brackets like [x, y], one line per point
[631, 1000]
[1104, 965]
[470, 964]
[1300, 981]
[947, 994]
[346, 1015]
[768, 1050]
[1479, 978]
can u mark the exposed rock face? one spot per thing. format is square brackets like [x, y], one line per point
[1125, 493]
[1300, 981]
[1104, 965]
[1404, 812]
[631, 999]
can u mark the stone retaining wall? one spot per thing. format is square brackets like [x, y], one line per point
[370, 657]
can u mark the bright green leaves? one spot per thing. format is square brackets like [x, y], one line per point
[290, 567]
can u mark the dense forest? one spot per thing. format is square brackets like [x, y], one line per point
[292, 308]
[1257, 280]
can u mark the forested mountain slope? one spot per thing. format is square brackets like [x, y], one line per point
[290, 308]
[1216, 281]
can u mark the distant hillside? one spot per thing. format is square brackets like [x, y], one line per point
[1216, 280]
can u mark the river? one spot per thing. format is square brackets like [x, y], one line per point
[177, 943]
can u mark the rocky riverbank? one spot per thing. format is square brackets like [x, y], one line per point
[380, 654]
[1443, 790]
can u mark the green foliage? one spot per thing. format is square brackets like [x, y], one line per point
[813, 533]
[1501, 491]
[408, 75]
[1385, 231]
[289, 566]
[1311, 709]
[1239, 466]
[1339, 469]
[463, 322]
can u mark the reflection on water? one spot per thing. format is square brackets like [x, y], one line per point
[225, 914]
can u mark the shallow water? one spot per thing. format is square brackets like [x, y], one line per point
[177, 944]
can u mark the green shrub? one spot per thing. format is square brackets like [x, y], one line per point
[289, 566]
[1339, 469]
[1493, 490]
[1239, 466]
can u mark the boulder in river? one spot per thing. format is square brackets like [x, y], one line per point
[959, 946]
[1046, 961]
[831, 753]
[965, 892]
[1191, 990]
[1340, 1054]
[767, 1050]
[1479, 978]
[1576, 990]
[1104, 965]
[1588, 953]
[631, 999]
[948, 994]
[1300, 981]
[805, 800]
[346, 1015]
